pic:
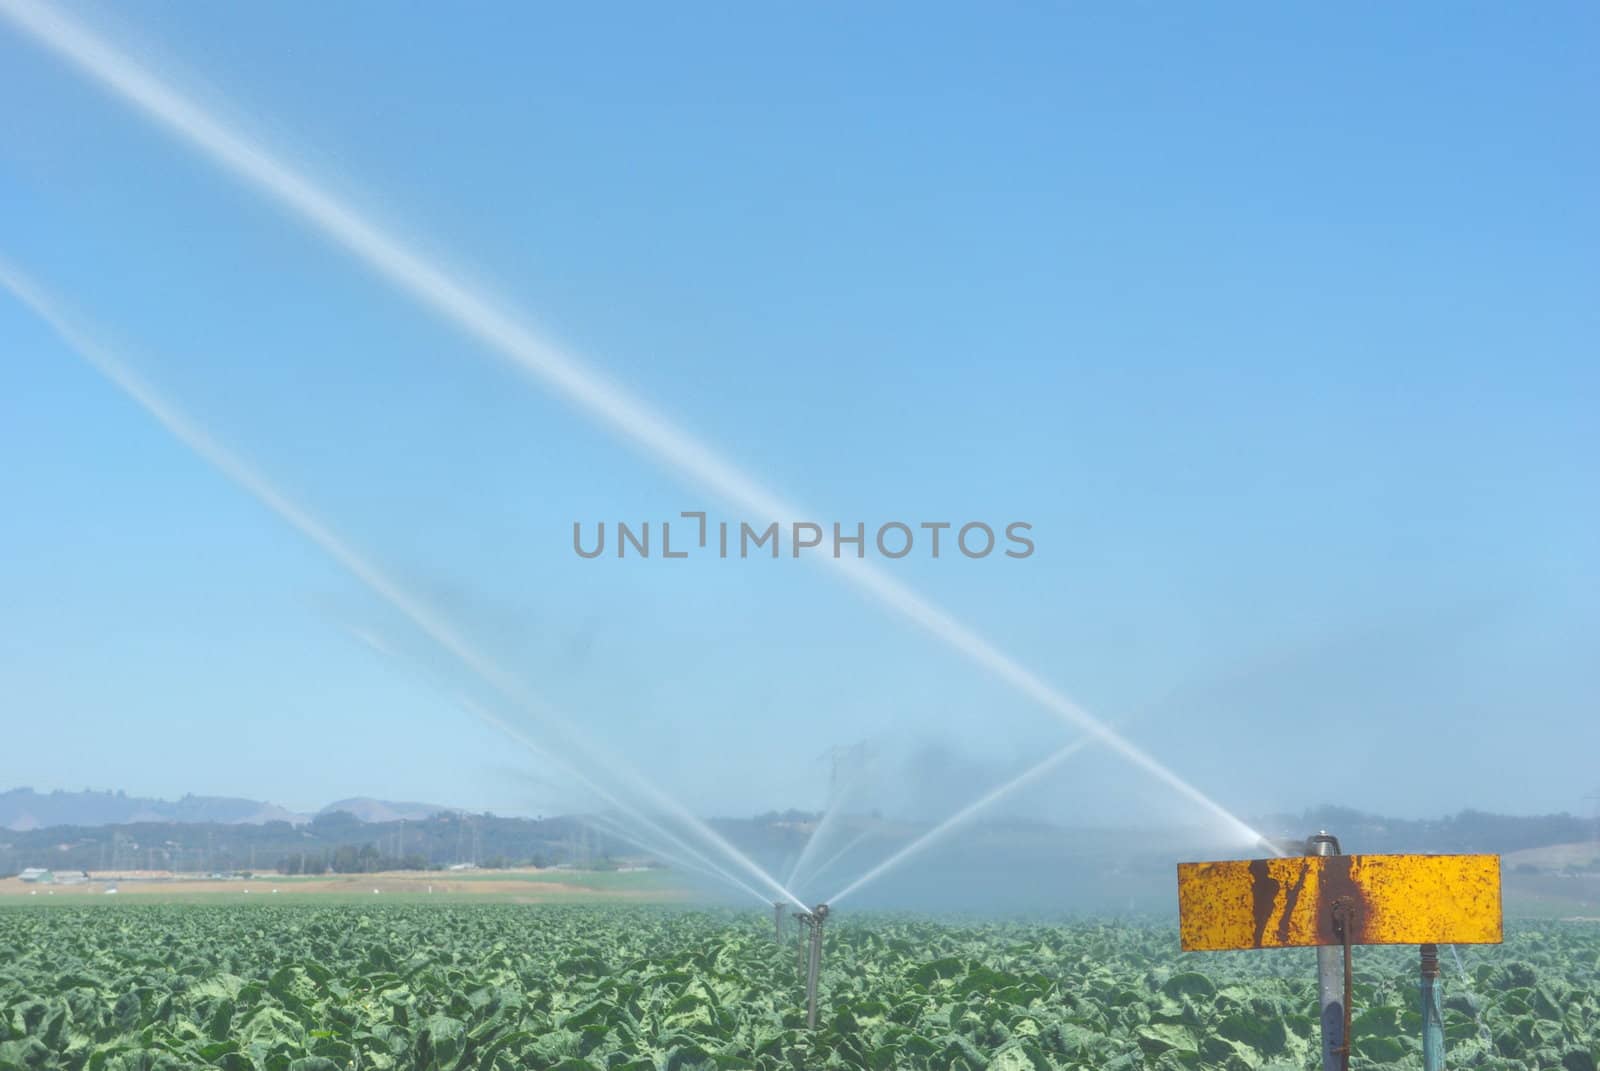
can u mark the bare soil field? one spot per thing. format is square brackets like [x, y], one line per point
[520, 885]
[1584, 855]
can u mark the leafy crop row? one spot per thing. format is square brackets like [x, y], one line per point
[301, 988]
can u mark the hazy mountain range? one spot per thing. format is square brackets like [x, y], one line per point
[22, 809]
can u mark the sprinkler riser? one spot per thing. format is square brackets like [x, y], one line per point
[1432, 1011]
[814, 968]
[804, 920]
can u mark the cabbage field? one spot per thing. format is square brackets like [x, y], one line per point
[480, 986]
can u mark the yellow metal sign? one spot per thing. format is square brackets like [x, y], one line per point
[1293, 902]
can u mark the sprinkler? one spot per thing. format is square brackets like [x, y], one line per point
[818, 916]
[804, 919]
[1332, 902]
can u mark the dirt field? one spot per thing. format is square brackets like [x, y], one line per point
[518, 886]
[1584, 855]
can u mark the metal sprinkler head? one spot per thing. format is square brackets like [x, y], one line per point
[1323, 843]
[820, 913]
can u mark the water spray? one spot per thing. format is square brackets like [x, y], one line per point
[401, 598]
[943, 829]
[828, 863]
[818, 832]
[838, 797]
[451, 298]
[705, 866]
[657, 832]
[1333, 902]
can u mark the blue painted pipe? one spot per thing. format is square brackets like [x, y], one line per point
[1432, 1011]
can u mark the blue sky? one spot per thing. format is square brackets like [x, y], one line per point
[1278, 326]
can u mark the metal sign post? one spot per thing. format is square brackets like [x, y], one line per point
[1330, 976]
[1332, 902]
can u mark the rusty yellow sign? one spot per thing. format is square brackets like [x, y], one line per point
[1293, 902]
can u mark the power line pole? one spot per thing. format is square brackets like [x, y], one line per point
[846, 763]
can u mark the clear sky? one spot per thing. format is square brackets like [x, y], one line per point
[1279, 325]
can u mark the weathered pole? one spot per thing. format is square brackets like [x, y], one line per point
[1330, 976]
[777, 922]
[1432, 1011]
[814, 966]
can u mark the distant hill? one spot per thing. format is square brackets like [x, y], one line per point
[106, 830]
[24, 809]
[337, 841]
[1468, 831]
[370, 810]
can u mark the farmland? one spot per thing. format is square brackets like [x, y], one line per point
[314, 986]
[517, 885]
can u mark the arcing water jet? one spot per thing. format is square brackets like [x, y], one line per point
[655, 830]
[704, 866]
[827, 864]
[391, 591]
[943, 829]
[629, 418]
